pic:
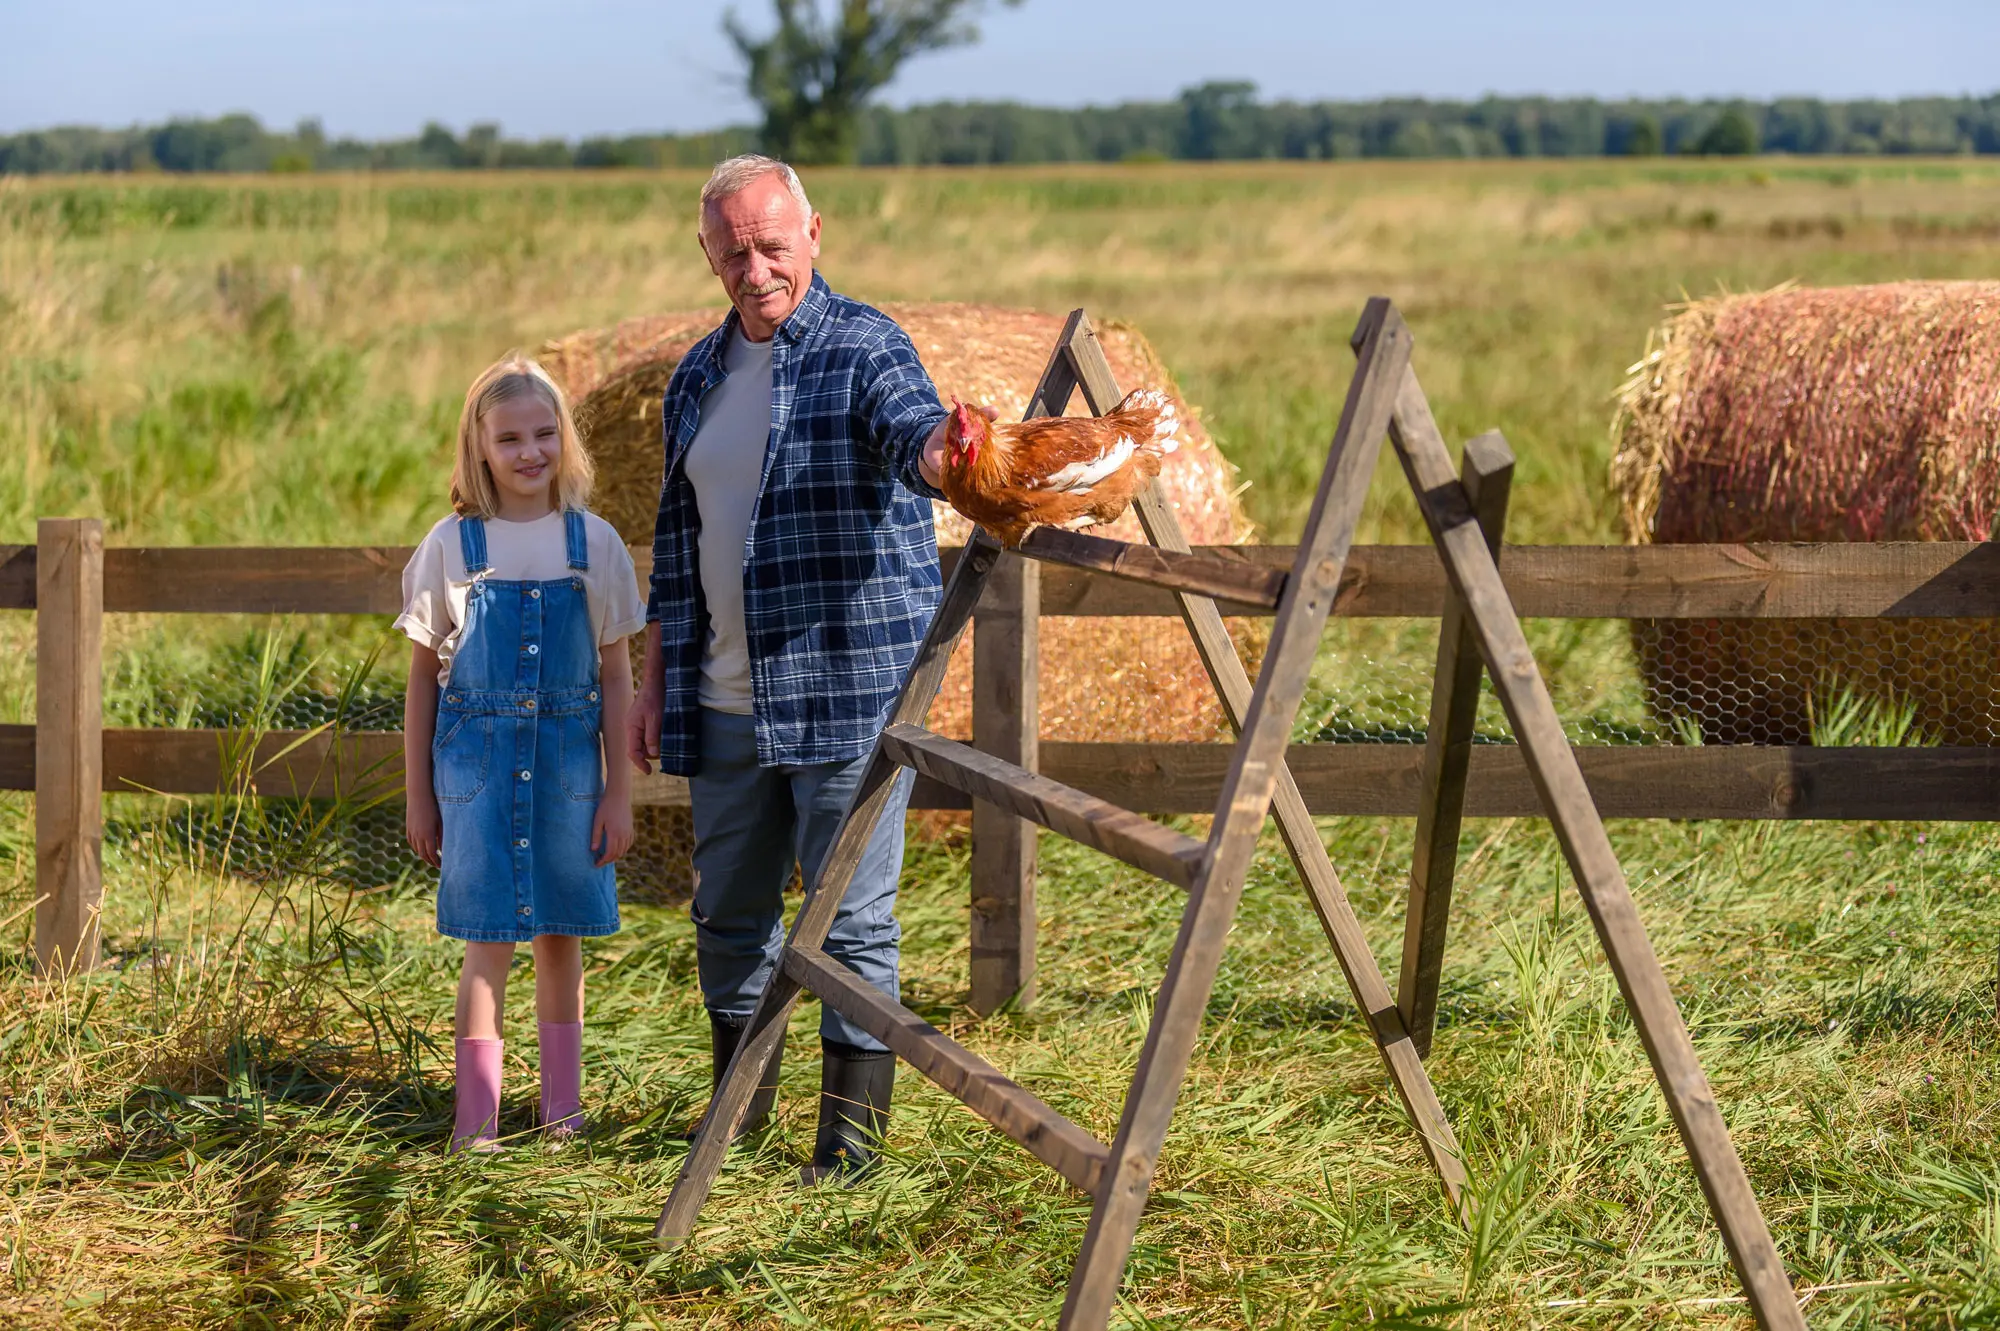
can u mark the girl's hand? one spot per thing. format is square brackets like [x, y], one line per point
[611, 830]
[423, 826]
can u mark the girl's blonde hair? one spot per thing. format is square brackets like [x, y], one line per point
[514, 376]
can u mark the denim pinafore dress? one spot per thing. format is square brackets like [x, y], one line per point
[517, 763]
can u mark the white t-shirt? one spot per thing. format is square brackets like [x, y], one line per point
[725, 465]
[435, 584]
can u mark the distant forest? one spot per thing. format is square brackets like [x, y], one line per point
[1213, 122]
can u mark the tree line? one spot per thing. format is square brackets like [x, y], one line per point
[1212, 122]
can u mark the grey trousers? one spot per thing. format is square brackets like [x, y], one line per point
[751, 824]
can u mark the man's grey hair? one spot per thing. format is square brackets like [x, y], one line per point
[740, 173]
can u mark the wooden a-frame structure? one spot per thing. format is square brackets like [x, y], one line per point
[1480, 626]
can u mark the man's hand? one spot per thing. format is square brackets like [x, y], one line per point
[642, 722]
[642, 729]
[931, 461]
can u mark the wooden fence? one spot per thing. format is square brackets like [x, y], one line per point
[68, 758]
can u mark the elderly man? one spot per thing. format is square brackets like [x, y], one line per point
[795, 571]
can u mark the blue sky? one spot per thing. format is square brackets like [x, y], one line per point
[569, 68]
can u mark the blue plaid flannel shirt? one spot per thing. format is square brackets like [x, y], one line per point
[840, 570]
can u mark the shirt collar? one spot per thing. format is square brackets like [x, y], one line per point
[811, 312]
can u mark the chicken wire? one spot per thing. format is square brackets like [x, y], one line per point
[1828, 682]
[1372, 684]
[357, 842]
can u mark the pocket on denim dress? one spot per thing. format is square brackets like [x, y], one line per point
[459, 759]
[582, 756]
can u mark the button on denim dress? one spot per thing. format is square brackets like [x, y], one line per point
[517, 763]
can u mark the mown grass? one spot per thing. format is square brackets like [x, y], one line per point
[239, 1121]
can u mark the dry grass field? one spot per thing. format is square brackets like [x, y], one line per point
[238, 1122]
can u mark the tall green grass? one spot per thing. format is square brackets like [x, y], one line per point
[280, 359]
[238, 1121]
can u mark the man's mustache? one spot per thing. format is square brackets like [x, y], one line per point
[768, 289]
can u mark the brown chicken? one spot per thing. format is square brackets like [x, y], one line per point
[1058, 471]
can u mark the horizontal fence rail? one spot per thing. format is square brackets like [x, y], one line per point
[1910, 580]
[1338, 780]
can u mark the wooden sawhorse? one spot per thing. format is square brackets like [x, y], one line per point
[1384, 397]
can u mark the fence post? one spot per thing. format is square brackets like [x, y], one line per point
[1487, 473]
[1006, 722]
[69, 741]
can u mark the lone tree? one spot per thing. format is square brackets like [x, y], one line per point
[813, 76]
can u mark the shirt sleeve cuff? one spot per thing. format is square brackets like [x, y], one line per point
[420, 633]
[913, 475]
[623, 629]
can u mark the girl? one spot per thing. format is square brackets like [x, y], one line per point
[516, 606]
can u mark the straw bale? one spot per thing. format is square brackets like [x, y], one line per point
[1137, 679]
[1837, 414]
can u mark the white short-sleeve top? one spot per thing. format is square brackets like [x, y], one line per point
[435, 584]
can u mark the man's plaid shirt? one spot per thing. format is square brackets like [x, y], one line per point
[840, 571]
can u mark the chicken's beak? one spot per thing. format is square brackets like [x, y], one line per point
[960, 437]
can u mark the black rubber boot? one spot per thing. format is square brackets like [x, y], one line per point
[854, 1089]
[724, 1035]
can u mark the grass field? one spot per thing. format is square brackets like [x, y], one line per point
[239, 1122]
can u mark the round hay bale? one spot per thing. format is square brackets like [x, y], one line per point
[1838, 414]
[1135, 679]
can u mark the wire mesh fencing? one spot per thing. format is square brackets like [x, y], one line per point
[1883, 683]
[1874, 682]
[276, 681]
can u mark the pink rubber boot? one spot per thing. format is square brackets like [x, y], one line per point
[476, 1117]
[562, 1077]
